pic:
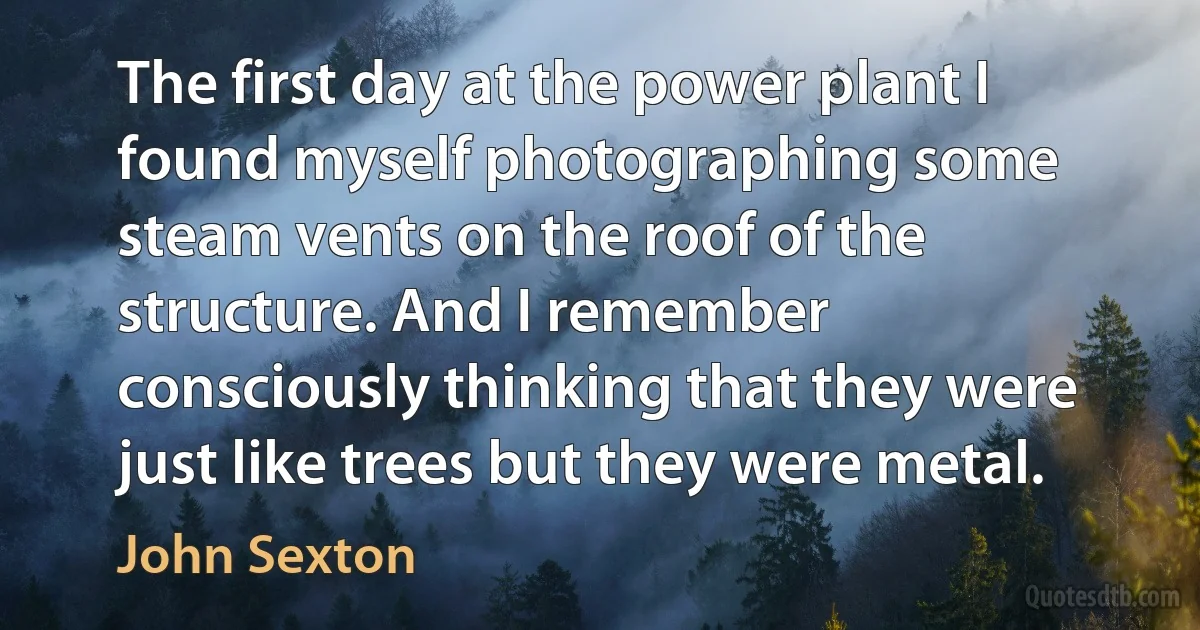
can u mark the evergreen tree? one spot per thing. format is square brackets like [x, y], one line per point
[346, 64]
[760, 119]
[309, 526]
[442, 412]
[133, 277]
[192, 590]
[1026, 548]
[73, 314]
[484, 517]
[433, 539]
[125, 594]
[97, 337]
[503, 601]
[564, 284]
[17, 478]
[992, 505]
[120, 215]
[923, 135]
[1111, 369]
[34, 610]
[190, 522]
[379, 527]
[66, 444]
[256, 518]
[316, 429]
[345, 615]
[128, 516]
[24, 370]
[836, 89]
[548, 600]
[370, 368]
[794, 564]
[249, 596]
[975, 584]
[373, 424]
[1188, 363]
[833, 623]
[713, 584]
[403, 617]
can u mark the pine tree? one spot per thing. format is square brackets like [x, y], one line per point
[991, 505]
[1111, 369]
[373, 424]
[97, 336]
[794, 563]
[370, 368]
[346, 64]
[564, 284]
[1026, 546]
[833, 623]
[433, 539]
[133, 277]
[249, 596]
[1188, 363]
[120, 215]
[128, 516]
[17, 478]
[548, 600]
[344, 615]
[923, 135]
[316, 429]
[403, 617]
[190, 522]
[309, 526]
[760, 119]
[836, 89]
[503, 601]
[379, 527]
[66, 445]
[713, 584]
[484, 517]
[73, 314]
[125, 594]
[256, 517]
[34, 610]
[975, 584]
[192, 590]
[24, 370]
[442, 412]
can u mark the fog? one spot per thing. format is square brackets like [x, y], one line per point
[1008, 270]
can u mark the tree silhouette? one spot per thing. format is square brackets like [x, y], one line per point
[1111, 369]
[380, 525]
[794, 563]
[346, 64]
[504, 601]
[975, 584]
[548, 600]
